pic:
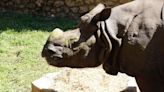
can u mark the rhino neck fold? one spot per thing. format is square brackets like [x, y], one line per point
[111, 50]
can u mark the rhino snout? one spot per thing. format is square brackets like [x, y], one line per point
[52, 51]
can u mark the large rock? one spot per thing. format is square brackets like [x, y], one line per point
[81, 80]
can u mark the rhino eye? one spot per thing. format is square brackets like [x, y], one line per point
[56, 44]
[75, 44]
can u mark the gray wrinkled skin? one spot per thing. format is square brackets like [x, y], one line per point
[72, 53]
[132, 43]
[75, 48]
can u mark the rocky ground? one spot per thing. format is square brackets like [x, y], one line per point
[83, 80]
[64, 8]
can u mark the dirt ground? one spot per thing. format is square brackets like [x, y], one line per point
[85, 80]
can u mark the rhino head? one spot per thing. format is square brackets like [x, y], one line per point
[85, 46]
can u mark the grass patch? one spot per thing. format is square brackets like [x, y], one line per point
[21, 41]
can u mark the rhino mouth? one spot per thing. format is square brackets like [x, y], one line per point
[51, 61]
[54, 60]
[56, 55]
[51, 56]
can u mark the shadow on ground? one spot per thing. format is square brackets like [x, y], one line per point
[24, 22]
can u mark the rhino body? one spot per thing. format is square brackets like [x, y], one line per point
[128, 38]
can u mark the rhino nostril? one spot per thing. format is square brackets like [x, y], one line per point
[54, 53]
[47, 52]
[51, 51]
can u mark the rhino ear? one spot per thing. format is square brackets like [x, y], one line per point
[102, 16]
[89, 16]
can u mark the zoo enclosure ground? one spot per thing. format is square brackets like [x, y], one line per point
[22, 37]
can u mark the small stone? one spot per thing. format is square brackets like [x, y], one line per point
[39, 2]
[89, 2]
[83, 9]
[30, 6]
[97, 1]
[58, 3]
[91, 7]
[53, 10]
[79, 2]
[70, 3]
[50, 2]
[17, 1]
[47, 8]
[75, 9]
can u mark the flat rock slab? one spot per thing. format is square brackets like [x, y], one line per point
[81, 80]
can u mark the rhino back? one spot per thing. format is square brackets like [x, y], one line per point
[142, 50]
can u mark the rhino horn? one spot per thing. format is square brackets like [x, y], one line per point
[56, 34]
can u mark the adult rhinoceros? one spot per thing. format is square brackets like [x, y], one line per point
[128, 38]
